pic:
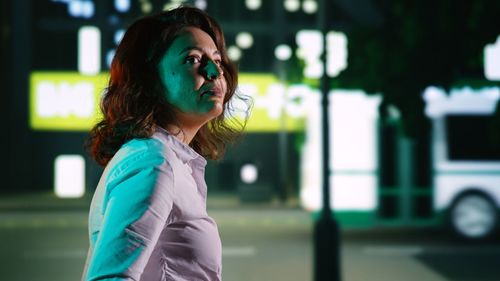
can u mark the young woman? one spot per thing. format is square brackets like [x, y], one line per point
[165, 110]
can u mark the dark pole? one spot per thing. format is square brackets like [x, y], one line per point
[279, 38]
[326, 230]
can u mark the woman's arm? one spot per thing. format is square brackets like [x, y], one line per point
[136, 206]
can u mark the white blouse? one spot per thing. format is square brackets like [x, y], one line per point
[148, 218]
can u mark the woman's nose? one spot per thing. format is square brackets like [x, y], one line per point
[211, 70]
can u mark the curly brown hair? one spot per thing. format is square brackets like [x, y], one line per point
[134, 102]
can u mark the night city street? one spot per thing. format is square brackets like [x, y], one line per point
[272, 126]
[259, 243]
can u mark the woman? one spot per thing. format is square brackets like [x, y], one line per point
[165, 109]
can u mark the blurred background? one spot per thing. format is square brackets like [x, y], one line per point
[414, 135]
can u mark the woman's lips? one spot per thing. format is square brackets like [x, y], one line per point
[215, 92]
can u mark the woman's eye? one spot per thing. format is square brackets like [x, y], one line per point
[192, 59]
[218, 62]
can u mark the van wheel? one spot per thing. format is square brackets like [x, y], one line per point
[473, 216]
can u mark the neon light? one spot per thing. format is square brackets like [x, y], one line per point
[89, 50]
[354, 116]
[314, 69]
[70, 101]
[492, 61]
[297, 100]
[336, 55]
[65, 101]
[311, 44]
[273, 101]
[69, 175]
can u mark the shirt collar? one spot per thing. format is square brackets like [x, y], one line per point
[184, 152]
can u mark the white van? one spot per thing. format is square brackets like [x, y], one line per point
[466, 158]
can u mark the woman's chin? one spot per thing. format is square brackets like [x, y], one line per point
[209, 114]
[215, 108]
[216, 111]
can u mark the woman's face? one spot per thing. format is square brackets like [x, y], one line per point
[192, 75]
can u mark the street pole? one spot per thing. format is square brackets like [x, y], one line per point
[326, 230]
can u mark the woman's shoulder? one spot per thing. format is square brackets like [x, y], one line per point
[137, 154]
[142, 145]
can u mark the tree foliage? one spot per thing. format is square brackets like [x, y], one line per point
[419, 43]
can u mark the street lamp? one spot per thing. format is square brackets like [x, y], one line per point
[326, 230]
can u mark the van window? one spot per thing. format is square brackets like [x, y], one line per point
[472, 137]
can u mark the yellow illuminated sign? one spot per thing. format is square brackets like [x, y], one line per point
[69, 101]
[65, 101]
[275, 107]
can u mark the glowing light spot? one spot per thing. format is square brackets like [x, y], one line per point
[249, 173]
[122, 5]
[291, 5]
[336, 55]
[109, 57]
[201, 4]
[492, 61]
[311, 44]
[253, 4]
[118, 36]
[244, 40]
[234, 53]
[88, 9]
[69, 175]
[299, 52]
[89, 50]
[310, 6]
[146, 7]
[75, 8]
[283, 52]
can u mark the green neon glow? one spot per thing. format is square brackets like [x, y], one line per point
[184, 71]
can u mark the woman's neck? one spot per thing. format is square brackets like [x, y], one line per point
[187, 126]
[183, 133]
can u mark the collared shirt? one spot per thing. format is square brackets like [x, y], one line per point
[148, 218]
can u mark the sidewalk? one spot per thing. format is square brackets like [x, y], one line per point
[48, 201]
